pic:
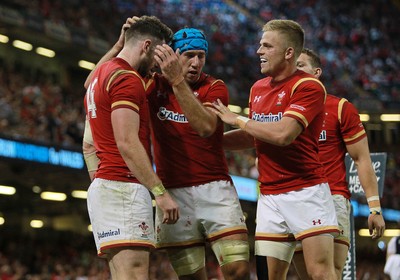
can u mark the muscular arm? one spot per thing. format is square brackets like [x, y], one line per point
[280, 133]
[125, 124]
[202, 120]
[359, 152]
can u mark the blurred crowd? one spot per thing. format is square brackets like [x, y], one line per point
[359, 43]
[357, 40]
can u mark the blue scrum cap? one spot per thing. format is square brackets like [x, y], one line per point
[188, 39]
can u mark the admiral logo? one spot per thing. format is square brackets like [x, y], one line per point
[267, 118]
[109, 233]
[257, 98]
[196, 93]
[166, 115]
[322, 135]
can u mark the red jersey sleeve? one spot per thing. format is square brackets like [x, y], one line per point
[121, 86]
[217, 90]
[307, 98]
[351, 127]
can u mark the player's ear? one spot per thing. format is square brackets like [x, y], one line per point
[317, 72]
[146, 45]
[289, 52]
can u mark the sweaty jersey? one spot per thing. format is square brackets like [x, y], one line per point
[296, 166]
[182, 157]
[342, 126]
[115, 85]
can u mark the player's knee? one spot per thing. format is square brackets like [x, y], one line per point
[187, 261]
[228, 251]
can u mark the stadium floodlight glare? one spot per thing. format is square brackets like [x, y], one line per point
[390, 117]
[79, 194]
[7, 190]
[45, 52]
[364, 117]
[86, 64]
[56, 196]
[391, 232]
[89, 228]
[4, 39]
[36, 223]
[388, 232]
[246, 111]
[364, 232]
[235, 109]
[2, 221]
[22, 45]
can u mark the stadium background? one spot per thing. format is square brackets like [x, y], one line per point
[41, 104]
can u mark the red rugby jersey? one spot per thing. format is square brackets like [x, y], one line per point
[342, 126]
[115, 85]
[302, 97]
[182, 157]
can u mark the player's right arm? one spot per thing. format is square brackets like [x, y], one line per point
[125, 124]
[359, 152]
[89, 151]
[115, 49]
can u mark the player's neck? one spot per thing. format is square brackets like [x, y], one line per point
[285, 73]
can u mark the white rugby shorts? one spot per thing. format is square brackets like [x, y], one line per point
[121, 215]
[208, 212]
[295, 215]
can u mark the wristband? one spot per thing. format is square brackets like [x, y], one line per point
[177, 81]
[372, 198]
[158, 189]
[242, 121]
[375, 211]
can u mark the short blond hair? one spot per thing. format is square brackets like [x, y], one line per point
[293, 32]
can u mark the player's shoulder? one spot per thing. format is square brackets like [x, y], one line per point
[211, 80]
[301, 78]
[207, 82]
[335, 99]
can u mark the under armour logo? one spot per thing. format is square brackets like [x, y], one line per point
[257, 98]
[315, 222]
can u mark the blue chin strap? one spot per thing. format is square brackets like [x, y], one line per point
[188, 39]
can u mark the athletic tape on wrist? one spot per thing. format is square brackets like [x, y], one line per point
[373, 198]
[242, 121]
[158, 189]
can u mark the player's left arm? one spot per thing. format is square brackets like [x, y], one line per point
[359, 152]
